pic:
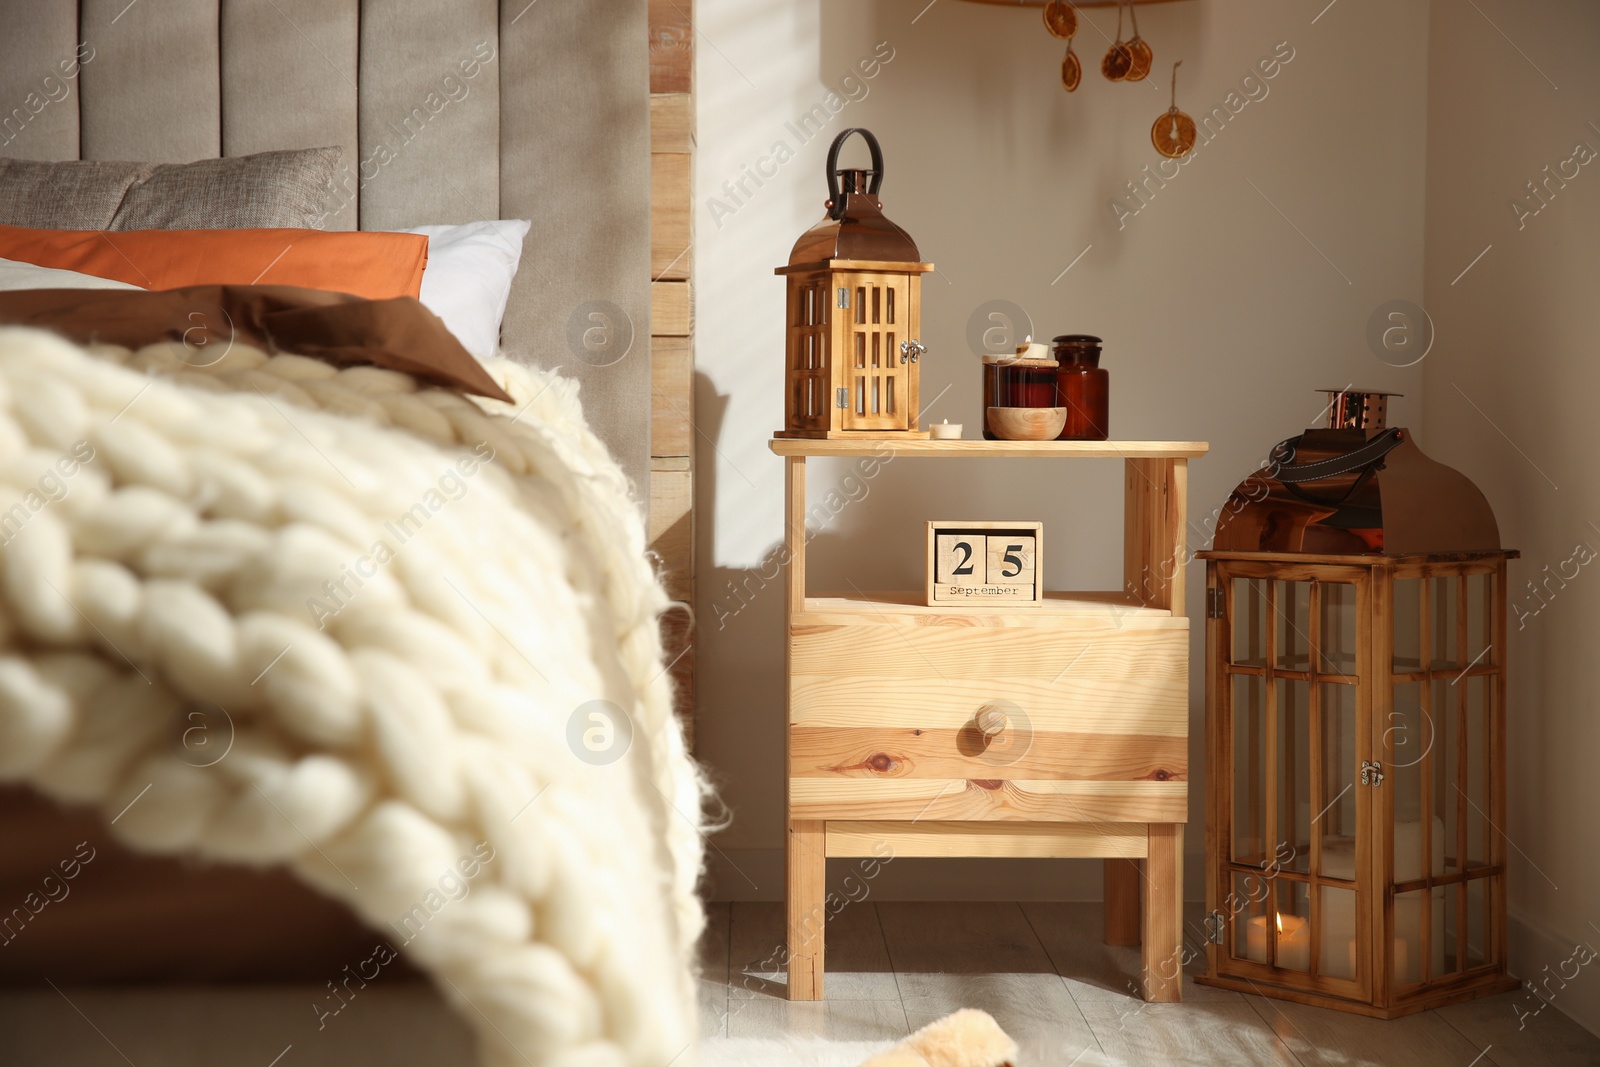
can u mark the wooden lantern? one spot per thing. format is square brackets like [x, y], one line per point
[1355, 720]
[854, 311]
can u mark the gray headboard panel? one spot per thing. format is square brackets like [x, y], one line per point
[448, 111]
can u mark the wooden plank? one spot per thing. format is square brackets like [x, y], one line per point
[1110, 706]
[988, 800]
[671, 46]
[670, 463]
[1162, 921]
[1154, 552]
[794, 482]
[914, 647]
[672, 530]
[671, 397]
[892, 447]
[984, 955]
[1121, 879]
[858, 965]
[1128, 682]
[672, 122]
[875, 752]
[670, 309]
[1077, 610]
[807, 912]
[671, 204]
[1038, 840]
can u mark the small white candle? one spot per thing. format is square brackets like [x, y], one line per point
[945, 431]
[1294, 941]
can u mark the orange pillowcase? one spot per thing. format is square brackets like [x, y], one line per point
[378, 266]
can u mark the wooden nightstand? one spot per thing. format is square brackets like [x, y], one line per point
[886, 749]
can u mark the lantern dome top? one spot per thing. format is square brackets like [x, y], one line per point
[856, 228]
[1355, 486]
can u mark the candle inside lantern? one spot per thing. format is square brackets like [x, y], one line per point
[1294, 941]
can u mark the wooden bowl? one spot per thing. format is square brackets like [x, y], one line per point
[1027, 424]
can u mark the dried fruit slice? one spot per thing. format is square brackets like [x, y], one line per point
[1142, 57]
[1060, 19]
[1173, 133]
[1071, 70]
[1117, 62]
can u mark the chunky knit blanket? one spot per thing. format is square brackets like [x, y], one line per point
[417, 636]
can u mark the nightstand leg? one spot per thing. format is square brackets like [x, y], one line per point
[1122, 902]
[1163, 914]
[807, 891]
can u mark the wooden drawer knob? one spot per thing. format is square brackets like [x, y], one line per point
[991, 722]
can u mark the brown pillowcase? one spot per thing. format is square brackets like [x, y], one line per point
[399, 334]
[287, 189]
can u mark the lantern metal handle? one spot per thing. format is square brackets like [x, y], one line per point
[835, 202]
[910, 350]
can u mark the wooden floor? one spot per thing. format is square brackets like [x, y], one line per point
[1042, 972]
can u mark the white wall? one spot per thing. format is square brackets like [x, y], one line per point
[1516, 338]
[1219, 317]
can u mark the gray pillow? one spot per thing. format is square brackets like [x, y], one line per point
[268, 189]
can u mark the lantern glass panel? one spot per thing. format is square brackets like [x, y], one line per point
[1480, 604]
[1337, 622]
[1447, 792]
[1444, 619]
[1293, 925]
[1453, 895]
[1407, 624]
[1337, 922]
[1478, 928]
[1249, 622]
[1293, 621]
[1249, 906]
[1335, 820]
[1249, 763]
[1477, 777]
[1406, 736]
[1291, 765]
[1411, 911]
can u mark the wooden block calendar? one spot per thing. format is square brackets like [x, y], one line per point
[985, 563]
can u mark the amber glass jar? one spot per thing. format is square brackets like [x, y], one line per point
[1011, 382]
[1083, 388]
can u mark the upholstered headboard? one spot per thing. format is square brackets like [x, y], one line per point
[552, 124]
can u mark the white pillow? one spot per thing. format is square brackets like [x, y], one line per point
[17, 275]
[467, 281]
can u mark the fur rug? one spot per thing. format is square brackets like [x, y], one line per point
[399, 603]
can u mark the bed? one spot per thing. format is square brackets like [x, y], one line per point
[562, 919]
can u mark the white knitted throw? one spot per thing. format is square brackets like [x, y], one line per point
[384, 637]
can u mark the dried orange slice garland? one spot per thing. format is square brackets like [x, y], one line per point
[1139, 51]
[1061, 19]
[1173, 132]
[1118, 59]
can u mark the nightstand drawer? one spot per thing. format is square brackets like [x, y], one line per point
[1088, 723]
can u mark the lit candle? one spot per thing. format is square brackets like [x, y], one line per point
[945, 431]
[1294, 941]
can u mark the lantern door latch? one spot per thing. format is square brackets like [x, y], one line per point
[1371, 772]
[910, 350]
[843, 397]
[1214, 603]
[1216, 928]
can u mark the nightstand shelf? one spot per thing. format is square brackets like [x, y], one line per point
[1096, 605]
[1051, 730]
